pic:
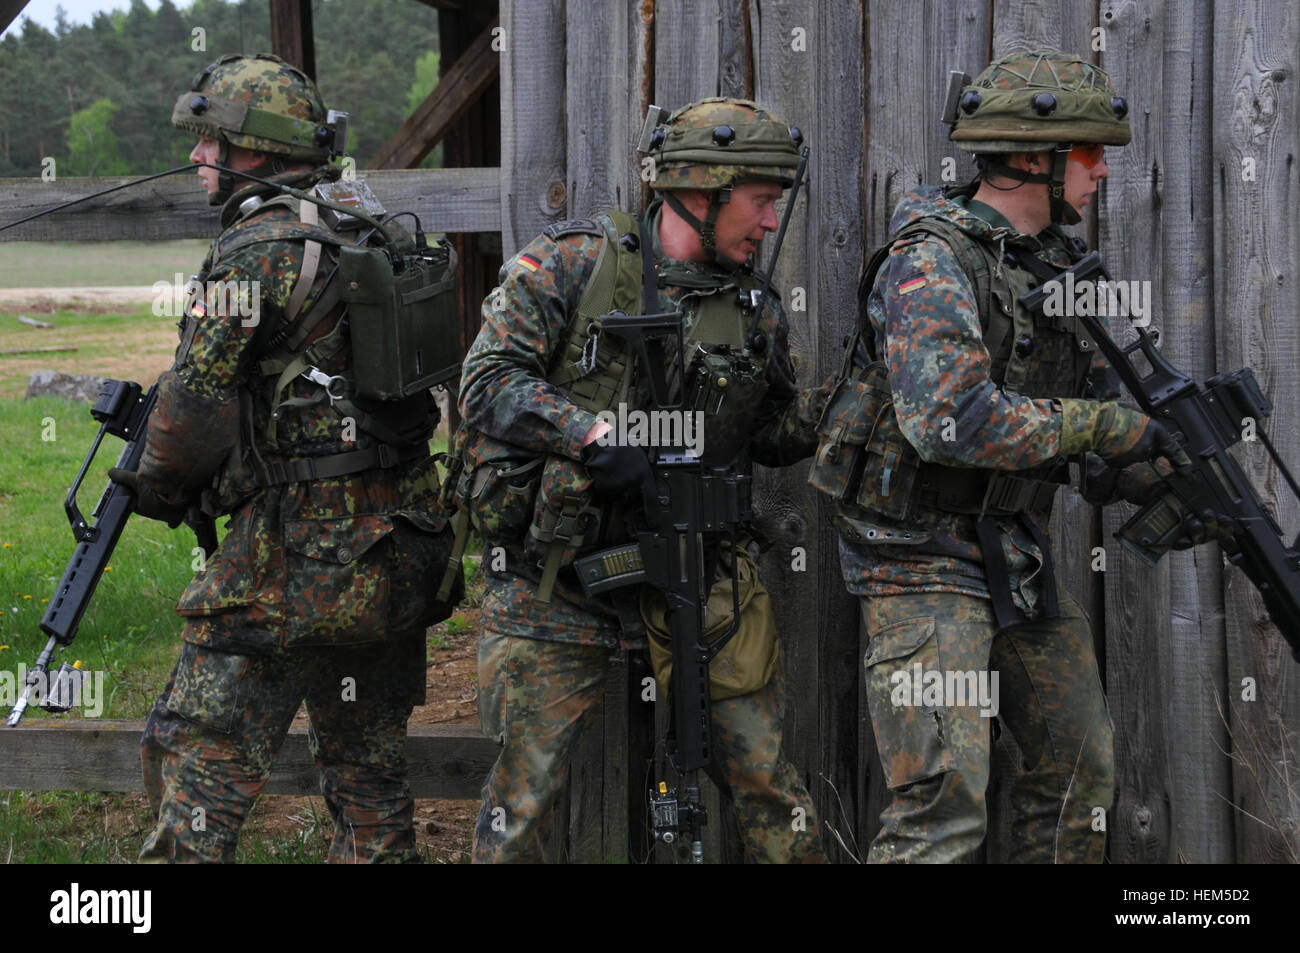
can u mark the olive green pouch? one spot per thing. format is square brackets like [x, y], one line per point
[748, 661]
[863, 461]
[404, 327]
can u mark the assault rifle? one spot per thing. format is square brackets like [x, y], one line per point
[123, 411]
[692, 496]
[1206, 419]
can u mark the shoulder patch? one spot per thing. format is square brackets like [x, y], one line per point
[573, 226]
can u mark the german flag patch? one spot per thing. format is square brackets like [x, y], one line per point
[532, 264]
[915, 284]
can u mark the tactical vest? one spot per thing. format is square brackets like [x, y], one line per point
[880, 489]
[491, 485]
[355, 313]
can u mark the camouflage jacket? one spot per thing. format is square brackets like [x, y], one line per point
[505, 394]
[929, 330]
[308, 562]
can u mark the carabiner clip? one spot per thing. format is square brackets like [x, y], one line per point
[317, 376]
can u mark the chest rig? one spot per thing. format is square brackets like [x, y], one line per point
[866, 465]
[597, 371]
[360, 353]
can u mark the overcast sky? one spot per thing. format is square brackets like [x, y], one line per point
[77, 11]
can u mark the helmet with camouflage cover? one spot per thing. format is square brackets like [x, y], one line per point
[712, 145]
[716, 143]
[257, 102]
[261, 103]
[1038, 101]
[1031, 101]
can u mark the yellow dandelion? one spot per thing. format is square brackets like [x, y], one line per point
[46, 599]
[3, 647]
[26, 597]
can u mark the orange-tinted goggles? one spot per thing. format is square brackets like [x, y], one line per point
[1088, 154]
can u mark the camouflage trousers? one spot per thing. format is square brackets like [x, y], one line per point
[536, 698]
[934, 746]
[213, 733]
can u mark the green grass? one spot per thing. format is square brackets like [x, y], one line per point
[45, 264]
[130, 630]
[110, 345]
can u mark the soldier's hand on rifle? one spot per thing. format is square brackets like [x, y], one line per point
[148, 503]
[1140, 483]
[618, 471]
[1119, 435]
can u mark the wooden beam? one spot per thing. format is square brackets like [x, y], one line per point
[457, 90]
[446, 761]
[447, 200]
[9, 10]
[292, 38]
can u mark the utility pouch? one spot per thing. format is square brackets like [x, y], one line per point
[846, 422]
[748, 661]
[404, 326]
[563, 511]
[863, 463]
[502, 496]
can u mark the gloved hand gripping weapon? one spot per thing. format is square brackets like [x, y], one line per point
[1206, 419]
[693, 496]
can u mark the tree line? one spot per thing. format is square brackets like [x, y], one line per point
[97, 99]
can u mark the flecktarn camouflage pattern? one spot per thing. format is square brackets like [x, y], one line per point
[541, 668]
[321, 589]
[256, 102]
[923, 584]
[715, 143]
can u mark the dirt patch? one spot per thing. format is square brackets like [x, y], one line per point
[98, 300]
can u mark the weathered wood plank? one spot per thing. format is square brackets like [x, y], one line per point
[803, 48]
[687, 37]
[1201, 820]
[457, 89]
[607, 75]
[446, 761]
[532, 113]
[1138, 637]
[447, 200]
[1256, 250]
[735, 50]
[1064, 25]
[291, 34]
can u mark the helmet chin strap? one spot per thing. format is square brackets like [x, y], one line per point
[707, 229]
[1063, 213]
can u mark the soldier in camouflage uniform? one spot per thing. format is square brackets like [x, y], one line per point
[318, 590]
[544, 646]
[946, 546]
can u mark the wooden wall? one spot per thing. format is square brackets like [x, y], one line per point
[1210, 86]
[1203, 692]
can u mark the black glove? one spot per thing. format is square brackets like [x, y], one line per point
[1104, 484]
[148, 503]
[1154, 443]
[617, 471]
